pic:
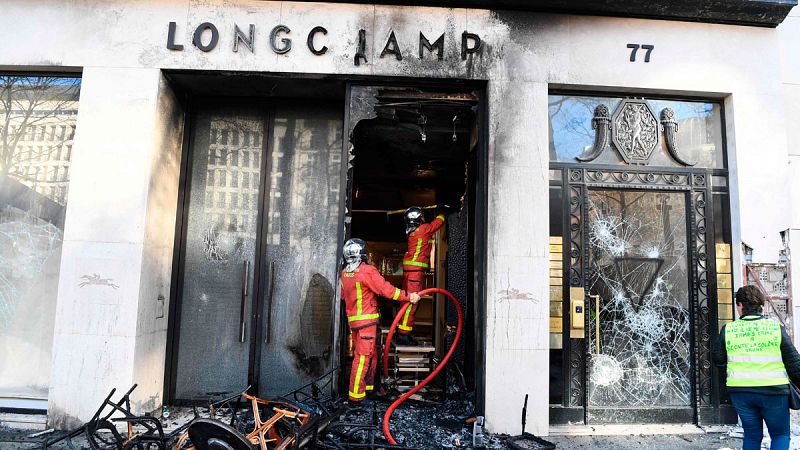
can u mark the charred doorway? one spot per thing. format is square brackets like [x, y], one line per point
[255, 299]
[420, 147]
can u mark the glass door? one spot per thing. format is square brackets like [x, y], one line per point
[300, 255]
[643, 289]
[638, 307]
[257, 301]
[214, 332]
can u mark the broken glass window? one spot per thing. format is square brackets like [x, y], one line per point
[33, 198]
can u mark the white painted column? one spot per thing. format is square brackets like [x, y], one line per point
[789, 37]
[517, 309]
[793, 102]
[110, 329]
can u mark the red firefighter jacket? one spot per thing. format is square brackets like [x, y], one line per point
[420, 241]
[360, 291]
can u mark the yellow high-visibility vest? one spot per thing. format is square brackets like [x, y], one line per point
[754, 353]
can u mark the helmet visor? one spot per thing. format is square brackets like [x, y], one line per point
[354, 253]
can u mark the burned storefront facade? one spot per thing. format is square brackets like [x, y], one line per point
[178, 179]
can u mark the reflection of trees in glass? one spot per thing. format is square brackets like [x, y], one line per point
[302, 170]
[699, 130]
[302, 237]
[571, 132]
[37, 123]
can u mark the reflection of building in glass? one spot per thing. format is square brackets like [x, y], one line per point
[38, 144]
[316, 154]
[234, 168]
[37, 125]
[232, 178]
[695, 138]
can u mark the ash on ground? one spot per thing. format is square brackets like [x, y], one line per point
[417, 425]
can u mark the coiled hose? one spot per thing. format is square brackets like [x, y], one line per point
[387, 416]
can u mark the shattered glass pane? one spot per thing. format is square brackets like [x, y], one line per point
[37, 123]
[301, 244]
[640, 353]
[220, 240]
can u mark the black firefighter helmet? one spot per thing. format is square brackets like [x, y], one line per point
[414, 217]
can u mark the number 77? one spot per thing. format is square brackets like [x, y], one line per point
[635, 47]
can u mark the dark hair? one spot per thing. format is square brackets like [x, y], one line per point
[751, 298]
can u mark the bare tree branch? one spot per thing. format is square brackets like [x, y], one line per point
[35, 105]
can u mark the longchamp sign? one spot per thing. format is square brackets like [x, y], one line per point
[206, 38]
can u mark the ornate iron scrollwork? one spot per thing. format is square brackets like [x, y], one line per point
[695, 183]
[601, 123]
[577, 262]
[702, 320]
[670, 126]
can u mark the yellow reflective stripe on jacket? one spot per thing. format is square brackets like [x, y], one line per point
[440, 217]
[359, 299]
[363, 317]
[354, 393]
[419, 247]
[415, 263]
[396, 294]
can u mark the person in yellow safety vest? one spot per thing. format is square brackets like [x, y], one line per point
[759, 360]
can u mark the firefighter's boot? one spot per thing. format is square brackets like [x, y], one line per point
[405, 340]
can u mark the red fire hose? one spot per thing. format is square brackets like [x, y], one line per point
[432, 375]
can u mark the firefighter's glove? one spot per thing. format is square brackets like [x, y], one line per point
[413, 298]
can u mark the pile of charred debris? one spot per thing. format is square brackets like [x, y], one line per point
[312, 416]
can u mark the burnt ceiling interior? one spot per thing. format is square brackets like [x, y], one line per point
[255, 85]
[414, 152]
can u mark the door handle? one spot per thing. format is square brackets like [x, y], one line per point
[245, 283]
[268, 331]
[596, 298]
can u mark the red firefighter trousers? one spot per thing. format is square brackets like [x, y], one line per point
[413, 281]
[365, 360]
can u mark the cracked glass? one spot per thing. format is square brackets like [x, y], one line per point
[37, 125]
[638, 304]
[221, 230]
[301, 242]
[264, 195]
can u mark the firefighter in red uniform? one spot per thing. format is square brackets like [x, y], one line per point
[416, 261]
[362, 284]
